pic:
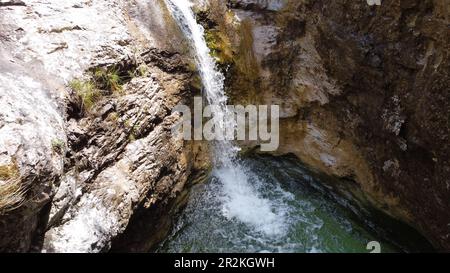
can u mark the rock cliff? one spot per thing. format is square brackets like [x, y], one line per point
[87, 163]
[363, 91]
[86, 153]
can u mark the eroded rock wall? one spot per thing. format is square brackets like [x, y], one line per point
[363, 91]
[83, 172]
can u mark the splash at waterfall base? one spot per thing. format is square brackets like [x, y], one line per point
[249, 123]
[242, 207]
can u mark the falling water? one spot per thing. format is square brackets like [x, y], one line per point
[237, 186]
[253, 205]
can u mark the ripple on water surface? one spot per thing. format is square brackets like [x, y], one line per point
[265, 205]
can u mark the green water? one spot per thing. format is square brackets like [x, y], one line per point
[281, 210]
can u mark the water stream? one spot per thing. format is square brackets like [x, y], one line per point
[301, 218]
[245, 206]
[235, 179]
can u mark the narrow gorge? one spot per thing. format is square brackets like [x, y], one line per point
[89, 161]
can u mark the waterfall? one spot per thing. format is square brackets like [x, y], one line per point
[239, 187]
[212, 79]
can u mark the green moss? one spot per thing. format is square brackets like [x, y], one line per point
[220, 46]
[113, 117]
[231, 43]
[192, 66]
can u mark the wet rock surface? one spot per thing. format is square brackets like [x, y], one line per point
[363, 92]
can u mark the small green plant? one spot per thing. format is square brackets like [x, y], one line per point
[108, 78]
[132, 74]
[128, 123]
[134, 130]
[102, 81]
[87, 92]
[58, 146]
[143, 70]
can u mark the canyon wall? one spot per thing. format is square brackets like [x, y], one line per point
[86, 153]
[363, 90]
[87, 88]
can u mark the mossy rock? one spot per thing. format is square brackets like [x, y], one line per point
[220, 46]
[87, 92]
[110, 79]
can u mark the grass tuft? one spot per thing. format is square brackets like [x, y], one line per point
[12, 194]
[8, 171]
[108, 78]
[87, 92]
[103, 81]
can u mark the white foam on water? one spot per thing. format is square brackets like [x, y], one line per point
[239, 190]
[239, 187]
[240, 200]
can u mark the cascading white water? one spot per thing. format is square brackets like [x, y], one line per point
[212, 79]
[240, 198]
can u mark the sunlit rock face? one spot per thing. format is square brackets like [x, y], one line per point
[30, 122]
[363, 91]
[82, 177]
